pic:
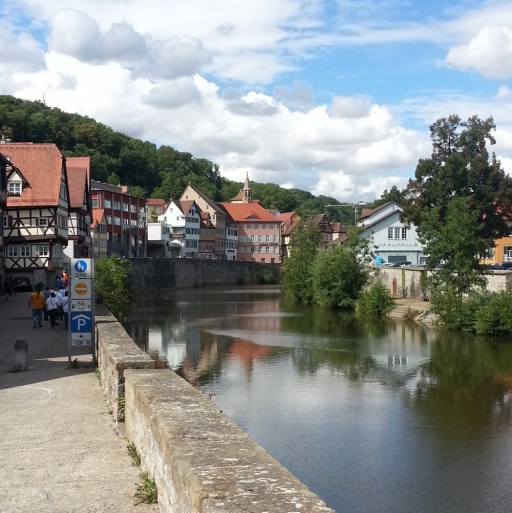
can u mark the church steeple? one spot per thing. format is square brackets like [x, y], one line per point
[247, 191]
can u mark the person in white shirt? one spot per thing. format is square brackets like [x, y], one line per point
[59, 294]
[65, 304]
[52, 308]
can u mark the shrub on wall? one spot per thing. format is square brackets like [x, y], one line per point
[376, 300]
[112, 284]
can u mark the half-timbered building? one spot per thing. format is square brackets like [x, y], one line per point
[36, 221]
[79, 223]
[4, 164]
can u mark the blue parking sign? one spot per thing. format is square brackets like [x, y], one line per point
[81, 322]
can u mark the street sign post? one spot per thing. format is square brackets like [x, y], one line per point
[81, 304]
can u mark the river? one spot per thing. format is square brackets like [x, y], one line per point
[373, 416]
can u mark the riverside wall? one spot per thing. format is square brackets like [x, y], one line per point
[155, 273]
[200, 460]
[406, 281]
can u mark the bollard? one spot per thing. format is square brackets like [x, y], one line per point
[20, 355]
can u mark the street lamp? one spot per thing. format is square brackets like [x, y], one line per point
[355, 205]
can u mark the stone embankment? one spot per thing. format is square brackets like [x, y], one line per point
[200, 460]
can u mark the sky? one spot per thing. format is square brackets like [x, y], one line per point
[332, 97]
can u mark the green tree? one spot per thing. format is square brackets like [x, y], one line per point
[112, 284]
[457, 243]
[297, 269]
[460, 166]
[457, 200]
[338, 276]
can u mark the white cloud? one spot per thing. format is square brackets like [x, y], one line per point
[223, 83]
[488, 53]
[19, 52]
[503, 92]
[506, 164]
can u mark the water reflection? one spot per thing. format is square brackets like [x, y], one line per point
[371, 415]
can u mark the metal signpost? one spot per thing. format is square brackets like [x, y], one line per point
[81, 304]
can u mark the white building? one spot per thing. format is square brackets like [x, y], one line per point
[392, 239]
[183, 220]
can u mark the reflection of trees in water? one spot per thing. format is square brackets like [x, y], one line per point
[307, 360]
[466, 387]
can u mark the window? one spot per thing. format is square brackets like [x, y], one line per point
[25, 251]
[107, 204]
[43, 222]
[12, 251]
[43, 251]
[404, 233]
[260, 226]
[397, 233]
[94, 202]
[14, 188]
[390, 233]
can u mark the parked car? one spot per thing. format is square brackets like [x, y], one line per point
[503, 266]
[402, 264]
[22, 284]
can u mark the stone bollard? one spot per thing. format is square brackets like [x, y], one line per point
[20, 355]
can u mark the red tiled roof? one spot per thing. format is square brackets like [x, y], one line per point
[77, 177]
[97, 216]
[243, 211]
[184, 205]
[366, 212]
[155, 202]
[338, 228]
[41, 165]
[82, 162]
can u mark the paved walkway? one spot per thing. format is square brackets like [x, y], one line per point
[60, 449]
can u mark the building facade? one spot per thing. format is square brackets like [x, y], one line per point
[392, 239]
[217, 217]
[36, 221]
[126, 219]
[80, 211]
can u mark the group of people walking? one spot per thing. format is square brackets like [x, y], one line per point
[50, 304]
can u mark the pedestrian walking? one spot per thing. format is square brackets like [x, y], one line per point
[58, 282]
[52, 307]
[12, 287]
[36, 302]
[46, 296]
[6, 288]
[65, 279]
[65, 304]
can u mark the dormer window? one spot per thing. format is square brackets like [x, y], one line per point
[14, 188]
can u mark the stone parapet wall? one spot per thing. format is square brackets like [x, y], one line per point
[201, 461]
[156, 273]
[116, 352]
[405, 281]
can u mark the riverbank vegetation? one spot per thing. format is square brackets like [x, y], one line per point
[334, 277]
[112, 285]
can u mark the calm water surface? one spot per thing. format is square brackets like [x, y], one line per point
[371, 416]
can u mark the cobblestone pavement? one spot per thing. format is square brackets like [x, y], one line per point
[60, 449]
